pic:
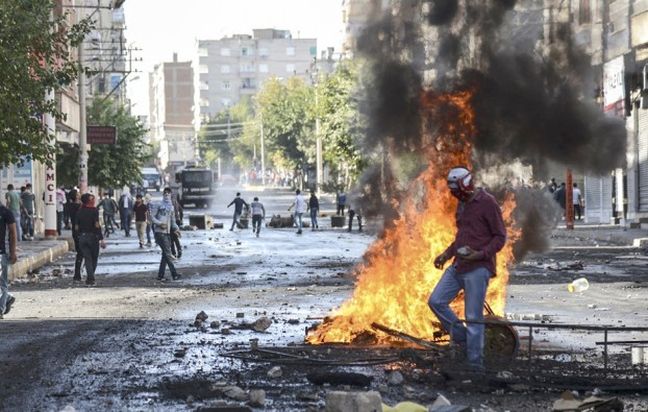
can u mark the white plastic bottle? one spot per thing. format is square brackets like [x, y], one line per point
[578, 285]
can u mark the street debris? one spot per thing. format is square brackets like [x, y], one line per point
[578, 285]
[257, 397]
[569, 403]
[575, 266]
[339, 378]
[404, 407]
[202, 316]
[395, 378]
[275, 372]
[339, 401]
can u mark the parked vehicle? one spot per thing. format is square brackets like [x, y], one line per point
[196, 186]
[151, 178]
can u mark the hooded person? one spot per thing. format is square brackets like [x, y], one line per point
[162, 216]
[480, 235]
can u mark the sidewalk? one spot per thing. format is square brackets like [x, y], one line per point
[38, 253]
[599, 235]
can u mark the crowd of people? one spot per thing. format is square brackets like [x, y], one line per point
[559, 193]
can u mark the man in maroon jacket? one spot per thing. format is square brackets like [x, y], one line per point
[480, 235]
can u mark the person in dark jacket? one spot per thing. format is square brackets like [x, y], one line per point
[560, 196]
[313, 207]
[109, 207]
[141, 219]
[238, 210]
[126, 204]
[480, 235]
[90, 236]
[74, 205]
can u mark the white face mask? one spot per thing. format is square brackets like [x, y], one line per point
[166, 196]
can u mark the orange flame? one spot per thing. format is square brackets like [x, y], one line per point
[394, 283]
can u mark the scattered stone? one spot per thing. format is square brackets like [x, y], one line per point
[198, 323]
[339, 378]
[236, 393]
[338, 401]
[257, 397]
[214, 324]
[439, 402]
[180, 353]
[505, 375]
[202, 316]
[275, 372]
[395, 378]
[307, 397]
[226, 331]
[190, 400]
[293, 321]
[261, 324]
[68, 408]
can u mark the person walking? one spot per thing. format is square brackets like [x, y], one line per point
[238, 210]
[355, 212]
[60, 208]
[560, 196]
[300, 208]
[109, 207]
[126, 210]
[480, 235]
[28, 200]
[313, 207]
[258, 214]
[178, 212]
[7, 228]
[12, 201]
[147, 202]
[141, 219]
[163, 219]
[340, 200]
[88, 229]
[74, 205]
[577, 200]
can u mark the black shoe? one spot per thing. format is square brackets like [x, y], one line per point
[299, 232]
[76, 279]
[10, 302]
[90, 282]
[161, 279]
[176, 276]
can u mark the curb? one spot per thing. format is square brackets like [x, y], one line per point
[38, 260]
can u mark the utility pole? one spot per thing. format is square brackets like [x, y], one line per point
[83, 138]
[318, 147]
[569, 200]
[262, 154]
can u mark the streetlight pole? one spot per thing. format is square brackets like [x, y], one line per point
[262, 154]
[83, 137]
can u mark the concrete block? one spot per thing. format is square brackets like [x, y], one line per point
[339, 401]
[338, 221]
[202, 222]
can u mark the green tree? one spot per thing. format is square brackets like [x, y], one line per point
[285, 108]
[341, 124]
[34, 60]
[217, 140]
[109, 166]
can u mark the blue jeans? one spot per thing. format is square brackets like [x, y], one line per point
[298, 221]
[164, 242]
[235, 220]
[474, 284]
[313, 216]
[19, 232]
[4, 282]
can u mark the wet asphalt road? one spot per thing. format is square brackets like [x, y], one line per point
[115, 346]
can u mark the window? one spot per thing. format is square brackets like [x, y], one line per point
[247, 68]
[204, 85]
[290, 68]
[225, 51]
[247, 51]
[263, 52]
[226, 85]
[248, 83]
[204, 102]
[225, 68]
[226, 102]
[263, 68]
[290, 51]
[203, 52]
[584, 12]
[203, 69]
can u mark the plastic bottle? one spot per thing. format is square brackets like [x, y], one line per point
[578, 285]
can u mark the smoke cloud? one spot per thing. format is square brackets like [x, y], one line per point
[532, 94]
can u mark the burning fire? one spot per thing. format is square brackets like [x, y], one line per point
[394, 283]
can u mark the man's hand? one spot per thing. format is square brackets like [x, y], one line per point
[470, 254]
[102, 243]
[441, 260]
[13, 258]
[177, 232]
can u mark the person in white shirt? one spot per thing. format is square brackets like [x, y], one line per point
[300, 208]
[258, 214]
[577, 201]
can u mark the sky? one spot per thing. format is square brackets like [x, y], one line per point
[162, 27]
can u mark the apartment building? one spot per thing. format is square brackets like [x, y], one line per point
[171, 94]
[236, 66]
